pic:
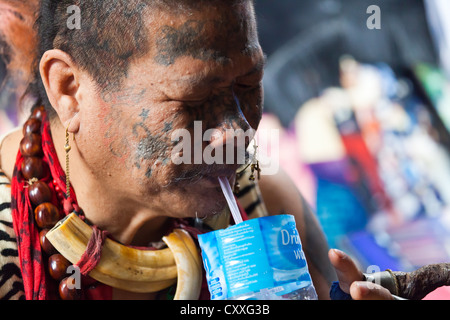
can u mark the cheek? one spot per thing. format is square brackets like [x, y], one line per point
[151, 144]
[107, 132]
[112, 125]
[99, 145]
[103, 117]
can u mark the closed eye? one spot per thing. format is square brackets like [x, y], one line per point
[245, 87]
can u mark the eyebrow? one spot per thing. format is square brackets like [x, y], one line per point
[257, 68]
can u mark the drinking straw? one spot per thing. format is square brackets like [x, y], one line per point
[229, 196]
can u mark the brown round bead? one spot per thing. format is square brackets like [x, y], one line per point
[39, 192]
[57, 266]
[46, 215]
[31, 145]
[32, 125]
[32, 167]
[67, 290]
[38, 113]
[45, 244]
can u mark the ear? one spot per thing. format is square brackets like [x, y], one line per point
[60, 77]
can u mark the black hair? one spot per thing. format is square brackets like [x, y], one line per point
[112, 33]
[5, 59]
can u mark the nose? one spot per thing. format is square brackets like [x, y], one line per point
[232, 135]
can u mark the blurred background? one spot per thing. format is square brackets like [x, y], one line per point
[364, 117]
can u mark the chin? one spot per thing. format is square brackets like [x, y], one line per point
[197, 201]
[208, 202]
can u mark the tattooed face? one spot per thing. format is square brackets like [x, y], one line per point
[204, 65]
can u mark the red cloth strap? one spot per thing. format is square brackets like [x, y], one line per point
[242, 210]
[91, 257]
[28, 245]
[37, 284]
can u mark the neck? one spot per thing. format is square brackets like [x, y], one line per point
[126, 219]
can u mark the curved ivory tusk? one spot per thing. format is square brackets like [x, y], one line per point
[121, 266]
[188, 265]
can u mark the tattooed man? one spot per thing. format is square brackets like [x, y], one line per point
[115, 90]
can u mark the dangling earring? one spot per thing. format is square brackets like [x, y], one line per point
[237, 186]
[255, 166]
[67, 148]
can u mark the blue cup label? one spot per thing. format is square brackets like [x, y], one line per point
[255, 255]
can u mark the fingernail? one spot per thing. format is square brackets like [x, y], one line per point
[340, 253]
[362, 287]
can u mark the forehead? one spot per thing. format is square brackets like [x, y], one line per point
[191, 50]
[207, 31]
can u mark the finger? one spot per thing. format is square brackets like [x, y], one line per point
[346, 269]
[363, 290]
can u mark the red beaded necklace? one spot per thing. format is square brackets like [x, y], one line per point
[45, 200]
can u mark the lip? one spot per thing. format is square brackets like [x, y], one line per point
[213, 179]
[204, 177]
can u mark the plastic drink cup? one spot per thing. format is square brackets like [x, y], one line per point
[258, 259]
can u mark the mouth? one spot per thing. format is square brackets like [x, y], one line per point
[213, 179]
[206, 176]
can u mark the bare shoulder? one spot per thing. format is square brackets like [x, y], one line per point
[9, 148]
[281, 195]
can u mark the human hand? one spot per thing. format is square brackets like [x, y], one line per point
[351, 279]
